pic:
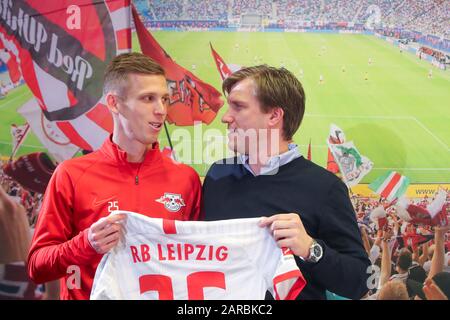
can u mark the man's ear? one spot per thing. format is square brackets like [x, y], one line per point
[111, 103]
[276, 116]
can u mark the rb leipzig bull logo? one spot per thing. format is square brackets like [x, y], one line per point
[172, 201]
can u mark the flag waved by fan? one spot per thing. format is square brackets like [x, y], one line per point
[191, 99]
[413, 240]
[222, 67]
[18, 135]
[434, 214]
[62, 56]
[33, 171]
[309, 156]
[352, 164]
[336, 136]
[390, 186]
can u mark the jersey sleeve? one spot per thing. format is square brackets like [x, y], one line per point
[282, 275]
[54, 248]
[287, 280]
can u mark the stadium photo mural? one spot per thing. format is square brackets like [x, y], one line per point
[176, 150]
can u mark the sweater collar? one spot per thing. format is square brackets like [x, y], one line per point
[113, 151]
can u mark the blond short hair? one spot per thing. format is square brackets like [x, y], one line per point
[116, 74]
[393, 290]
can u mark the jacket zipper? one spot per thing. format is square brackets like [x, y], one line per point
[136, 178]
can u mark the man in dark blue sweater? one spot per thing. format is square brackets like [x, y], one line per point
[307, 208]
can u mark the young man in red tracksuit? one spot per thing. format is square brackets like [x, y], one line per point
[128, 172]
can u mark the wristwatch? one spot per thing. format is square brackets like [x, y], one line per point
[315, 252]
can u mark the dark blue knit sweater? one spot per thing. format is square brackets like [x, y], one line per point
[322, 202]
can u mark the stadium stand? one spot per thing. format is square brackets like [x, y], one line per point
[424, 21]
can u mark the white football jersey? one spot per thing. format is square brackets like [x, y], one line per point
[193, 260]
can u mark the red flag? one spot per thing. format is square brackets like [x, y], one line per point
[222, 67]
[309, 150]
[379, 216]
[336, 136]
[33, 171]
[413, 240]
[435, 214]
[190, 98]
[421, 215]
[18, 134]
[331, 163]
[63, 62]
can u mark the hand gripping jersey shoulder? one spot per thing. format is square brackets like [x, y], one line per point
[191, 260]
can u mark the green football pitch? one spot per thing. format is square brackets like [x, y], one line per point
[394, 113]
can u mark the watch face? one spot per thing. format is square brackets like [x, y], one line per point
[317, 251]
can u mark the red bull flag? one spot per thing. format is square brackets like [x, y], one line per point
[63, 48]
[222, 67]
[191, 99]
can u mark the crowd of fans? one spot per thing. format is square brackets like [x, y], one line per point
[19, 209]
[29, 200]
[250, 6]
[343, 10]
[409, 261]
[425, 16]
[166, 9]
[207, 10]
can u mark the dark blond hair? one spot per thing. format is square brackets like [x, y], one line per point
[393, 290]
[274, 88]
[116, 74]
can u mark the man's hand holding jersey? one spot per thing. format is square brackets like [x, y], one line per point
[289, 232]
[104, 234]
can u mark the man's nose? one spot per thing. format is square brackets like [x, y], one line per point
[227, 117]
[161, 108]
